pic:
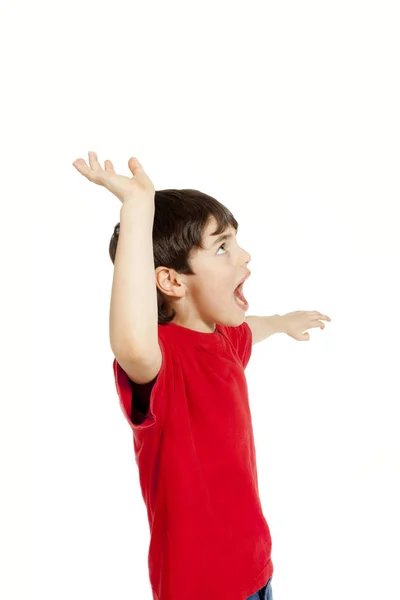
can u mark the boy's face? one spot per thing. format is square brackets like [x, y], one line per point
[206, 298]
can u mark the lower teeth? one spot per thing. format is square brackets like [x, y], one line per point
[240, 301]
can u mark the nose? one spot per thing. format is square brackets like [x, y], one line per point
[247, 256]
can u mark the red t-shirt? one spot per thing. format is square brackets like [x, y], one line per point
[197, 467]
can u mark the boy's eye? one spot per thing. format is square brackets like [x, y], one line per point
[222, 246]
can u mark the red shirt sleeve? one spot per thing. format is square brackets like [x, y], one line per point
[144, 408]
[241, 340]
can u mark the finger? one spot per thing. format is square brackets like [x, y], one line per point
[317, 315]
[108, 165]
[94, 163]
[81, 166]
[87, 171]
[135, 166]
[316, 324]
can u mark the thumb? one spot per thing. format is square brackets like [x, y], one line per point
[135, 166]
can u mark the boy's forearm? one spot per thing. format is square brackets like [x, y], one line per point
[133, 308]
[263, 327]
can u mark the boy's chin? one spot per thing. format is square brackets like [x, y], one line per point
[236, 318]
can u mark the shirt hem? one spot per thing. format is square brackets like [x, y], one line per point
[261, 580]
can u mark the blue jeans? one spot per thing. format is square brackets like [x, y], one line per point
[264, 594]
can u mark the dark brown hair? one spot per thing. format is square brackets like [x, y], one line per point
[180, 218]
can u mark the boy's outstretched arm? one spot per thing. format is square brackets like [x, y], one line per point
[293, 324]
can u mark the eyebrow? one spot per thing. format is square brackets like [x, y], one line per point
[224, 236]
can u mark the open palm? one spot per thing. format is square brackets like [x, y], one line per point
[121, 186]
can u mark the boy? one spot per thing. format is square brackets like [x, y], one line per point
[181, 344]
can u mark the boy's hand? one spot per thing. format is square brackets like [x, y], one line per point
[124, 188]
[295, 323]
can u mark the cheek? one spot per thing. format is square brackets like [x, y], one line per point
[219, 290]
[216, 284]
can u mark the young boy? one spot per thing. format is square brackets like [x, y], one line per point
[181, 344]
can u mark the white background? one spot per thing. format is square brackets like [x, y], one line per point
[287, 113]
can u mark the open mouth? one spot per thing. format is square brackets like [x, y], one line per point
[240, 299]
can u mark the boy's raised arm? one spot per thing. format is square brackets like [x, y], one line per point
[133, 308]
